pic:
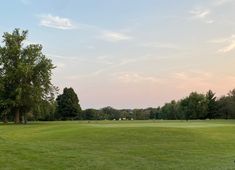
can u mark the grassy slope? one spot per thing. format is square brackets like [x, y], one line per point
[118, 145]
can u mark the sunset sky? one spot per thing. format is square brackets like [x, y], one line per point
[131, 53]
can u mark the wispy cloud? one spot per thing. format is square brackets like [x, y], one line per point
[209, 21]
[201, 14]
[228, 44]
[56, 22]
[222, 2]
[228, 48]
[224, 40]
[192, 74]
[193, 79]
[114, 36]
[137, 78]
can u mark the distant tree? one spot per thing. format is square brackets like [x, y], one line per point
[90, 114]
[194, 106]
[138, 114]
[223, 107]
[68, 105]
[127, 113]
[226, 105]
[231, 95]
[170, 111]
[124, 113]
[100, 115]
[111, 113]
[45, 111]
[212, 105]
[25, 75]
[154, 113]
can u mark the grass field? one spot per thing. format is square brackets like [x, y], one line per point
[114, 145]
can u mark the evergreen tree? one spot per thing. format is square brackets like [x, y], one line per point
[212, 108]
[68, 105]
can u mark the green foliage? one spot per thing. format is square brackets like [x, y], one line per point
[25, 75]
[194, 106]
[45, 111]
[110, 113]
[141, 114]
[90, 114]
[170, 111]
[212, 105]
[68, 105]
[226, 106]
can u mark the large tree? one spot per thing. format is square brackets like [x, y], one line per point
[25, 75]
[194, 106]
[68, 105]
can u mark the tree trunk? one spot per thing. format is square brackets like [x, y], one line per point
[25, 118]
[5, 118]
[17, 116]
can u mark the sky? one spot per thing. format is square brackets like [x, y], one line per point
[131, 53]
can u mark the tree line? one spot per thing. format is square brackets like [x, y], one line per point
[194, 106]
[26, 93]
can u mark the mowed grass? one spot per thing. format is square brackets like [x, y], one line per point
[106, 145]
